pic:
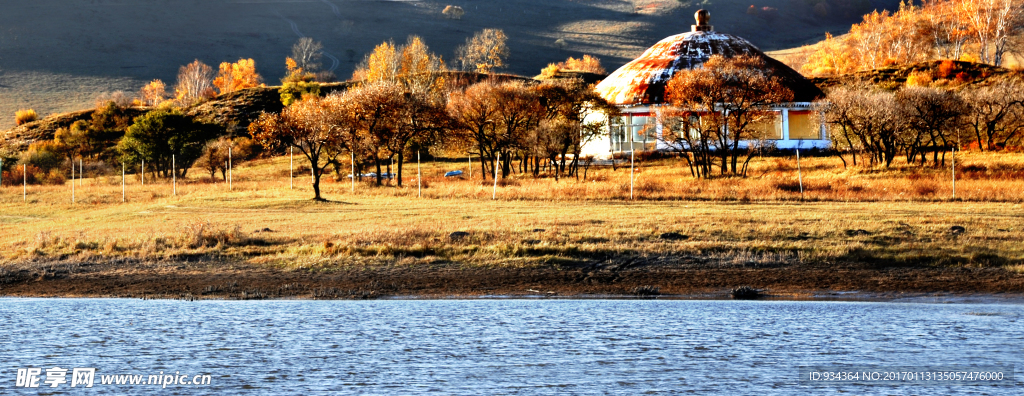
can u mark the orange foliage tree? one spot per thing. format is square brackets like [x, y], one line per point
[238, 75]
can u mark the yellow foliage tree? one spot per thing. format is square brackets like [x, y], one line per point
[238, 75]
[153, 94]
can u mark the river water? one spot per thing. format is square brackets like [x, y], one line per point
[499, 346]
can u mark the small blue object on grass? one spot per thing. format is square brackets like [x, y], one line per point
[453, 173]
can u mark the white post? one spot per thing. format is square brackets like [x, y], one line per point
[72, 181]
[229, 165]
[953, 169]
[122, 182]
[497, 163]
[143, 172]
[631, 168]
[24, 183]
[799, 173]
[352, 165]
[174, 175]
[291, 168]
[419, 177]
[1, 172]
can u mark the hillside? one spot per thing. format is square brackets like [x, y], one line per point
[57, 55]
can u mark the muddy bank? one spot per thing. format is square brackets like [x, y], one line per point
[240, 281]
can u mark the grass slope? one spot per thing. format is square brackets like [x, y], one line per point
[58, 55]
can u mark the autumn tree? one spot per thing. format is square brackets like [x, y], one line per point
[485, 52]
[496, 118]
[153, 93]
[374, 108]
[195, 83]
[567, 104]
[411, 64]
[236, 76]
[727, 97]
[311, 126]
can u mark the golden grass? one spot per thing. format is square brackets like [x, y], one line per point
[890, 219]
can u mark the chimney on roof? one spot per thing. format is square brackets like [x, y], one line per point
[702, 16]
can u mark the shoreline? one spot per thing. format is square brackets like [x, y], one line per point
[792, 282]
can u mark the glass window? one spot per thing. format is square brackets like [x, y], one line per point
[768, 129]
[803, 126]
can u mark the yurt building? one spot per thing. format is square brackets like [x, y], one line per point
[638, 90]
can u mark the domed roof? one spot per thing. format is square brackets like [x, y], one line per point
[643, 80]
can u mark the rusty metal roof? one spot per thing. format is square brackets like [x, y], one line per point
[642, 81]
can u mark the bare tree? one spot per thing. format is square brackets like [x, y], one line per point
[195, 83]
[861, 119]
[307, 54]
[993, 115]
[932, 117]
[485, 52]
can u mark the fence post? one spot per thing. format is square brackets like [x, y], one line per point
[953, 170]
[419, 177]
[497, 163]
[631, 168]
[352, 165]
[229, 166]
[291, 168]
[174, 175]
[143, 172]
[24, 183]
[799, 174]
[122, 182]
[72, 181]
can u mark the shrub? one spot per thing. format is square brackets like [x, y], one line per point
[946, 69]
[919, 79]
[453, 12]
[292, 92]
[24, 116]
[44, 155]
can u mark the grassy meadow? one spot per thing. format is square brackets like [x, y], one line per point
[889, 217]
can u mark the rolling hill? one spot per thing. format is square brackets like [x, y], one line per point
[60, 55]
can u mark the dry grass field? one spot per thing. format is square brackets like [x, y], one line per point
[59, 55]
[845, 215]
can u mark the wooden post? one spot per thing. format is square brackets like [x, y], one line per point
[143, 172]
[1, 172]
[24, 183]
[352, 165]
[497, 163]
[953, 170]
[799, 174]
[174, 175]
[291, 168]
[72, 181]
[419, 177]
[229, 165]
[122, 182]
[631, 168]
